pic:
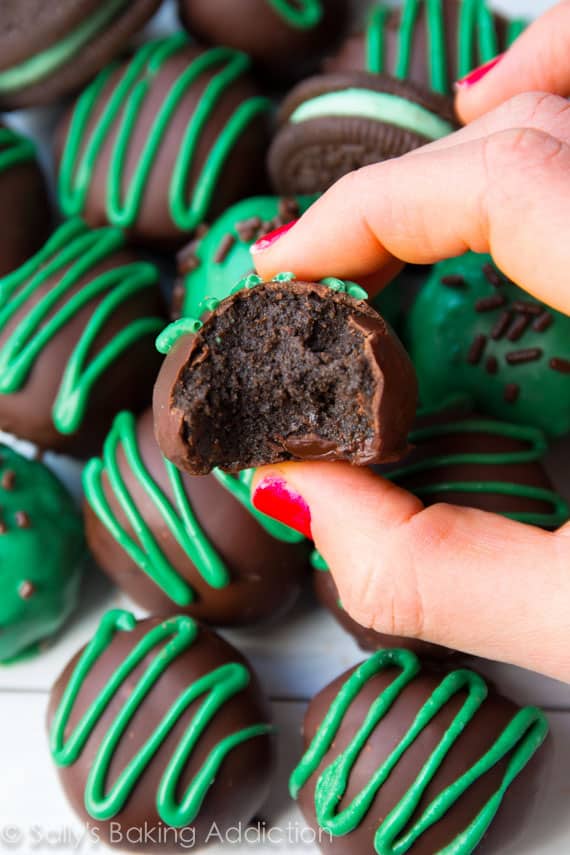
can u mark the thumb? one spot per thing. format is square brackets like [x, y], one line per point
[537, 61]
[457, 577]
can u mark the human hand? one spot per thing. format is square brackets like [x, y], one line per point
[454, 576]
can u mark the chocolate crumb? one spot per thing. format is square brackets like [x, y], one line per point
[492, 365]
[561, 365]
[476, 350]
[512, 391]
[492, 276]
[543, 321]
[224, 248]
[519, 327]
[26, 590]
[501, 326]
[8, 479]
[22, 519]
[487, 304]
[454, 281]
[520, 357]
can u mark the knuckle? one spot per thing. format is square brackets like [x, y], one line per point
[537, 108]
[518, 155]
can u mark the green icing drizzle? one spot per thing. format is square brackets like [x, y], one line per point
[166, 641]
[477, 40]
[120, 112]
[14, 149]
[300, 14]
[42, 64]
[520, 739]
[175, 331]
[145, 549]
[70, 254]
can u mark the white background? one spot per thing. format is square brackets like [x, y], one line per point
[295, 660]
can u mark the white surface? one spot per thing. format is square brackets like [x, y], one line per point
[295, 659]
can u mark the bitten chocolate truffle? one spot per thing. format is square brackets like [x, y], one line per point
[400, 757]
[284, 370]
[41, 554]
[175, 543]
[163, 141]
[430, 44]
[471, 331]
[77, 329]
[48, 50]
[285, 38]
[24, 199]
[160, 725]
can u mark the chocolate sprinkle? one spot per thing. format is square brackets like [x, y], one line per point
[476, 350]
[288, 209]
[492, 276]
[512, 391]
[187, 259]
[526, 307]
[520, 357]
[561, 365]
[3, 527]
[543, 321]
[453, 281]
[501, 326]
[22, 519]
[224, 248]
[248, 230]
[8, 479]
[26, 590]
[492, 365]
[487, 304]
[519, 327]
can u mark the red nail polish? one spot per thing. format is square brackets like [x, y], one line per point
[274, 497]
[271, 237]
[478, 73]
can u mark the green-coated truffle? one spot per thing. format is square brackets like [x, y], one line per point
[471, 331]
[41, 554]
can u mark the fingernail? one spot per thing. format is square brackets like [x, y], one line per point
[271, 237]
[274, 497]
[478, 73]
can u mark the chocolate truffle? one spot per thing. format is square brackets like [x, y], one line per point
[285, 38]
[463, 459]
[404, 758]
[284, 370]
[431, 44]
[163, 141]
[332, 124]
[160, 725]
[178, 543]
[77, 324]
[24, 198]
[48, 50]
[473, 332]
[41, 554]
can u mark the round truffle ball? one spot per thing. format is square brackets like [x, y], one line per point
[160, 725]
[402, 756]
[176, 542]
[48, 50]
[471, 331]
[77, 329]
[163, 141]
[41, 554]
[24, 198]
[285, 38]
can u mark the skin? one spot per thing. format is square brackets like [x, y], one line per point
[453, 576]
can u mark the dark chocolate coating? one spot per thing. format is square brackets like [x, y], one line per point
[241, 174]
[242, 783]
[266, 574]
[367, 638]
[27, 413]
[28, 217]
[280, 50]
[309, 156]
[386, 401]
[29, 27]
[476, 739]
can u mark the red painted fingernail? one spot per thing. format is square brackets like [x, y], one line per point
[272, 237]
[478, 73]
[274, 497]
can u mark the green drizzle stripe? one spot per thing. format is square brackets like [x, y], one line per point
[120, 113]
[42, 64]
[520, 739]
[300, 14]
[70, 254]
[14, 149]
[167, 640]
[375, 39]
